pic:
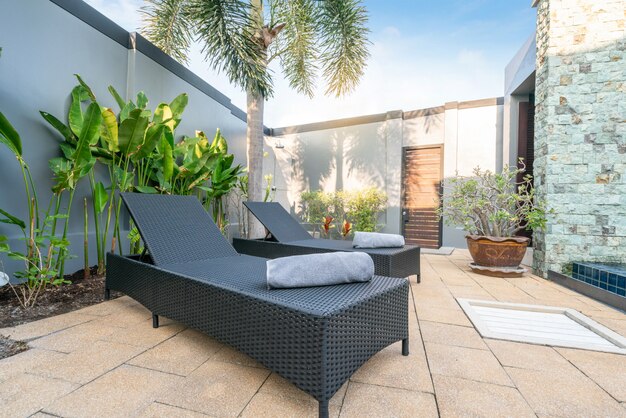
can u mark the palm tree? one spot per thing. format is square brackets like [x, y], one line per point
[241, 38]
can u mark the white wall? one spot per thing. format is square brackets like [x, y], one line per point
[356, 154]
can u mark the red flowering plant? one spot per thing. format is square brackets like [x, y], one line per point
[327, 224]
[346, 229]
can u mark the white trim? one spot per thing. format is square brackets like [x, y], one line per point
[618, 342]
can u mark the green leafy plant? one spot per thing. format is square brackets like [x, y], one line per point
[130, 144]
[363, 207]
[493, 204]
[43, 250]
[358, 209]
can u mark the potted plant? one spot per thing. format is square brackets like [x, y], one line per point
[493, 208]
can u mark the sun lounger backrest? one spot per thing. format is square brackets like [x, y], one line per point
[278, 221]
[176, 229]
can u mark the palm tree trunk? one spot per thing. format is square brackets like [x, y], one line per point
[255, 158]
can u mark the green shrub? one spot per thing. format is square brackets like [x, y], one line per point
[361, 208]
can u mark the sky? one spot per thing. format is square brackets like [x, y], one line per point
[423, 54]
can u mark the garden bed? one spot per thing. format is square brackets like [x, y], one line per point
[54, 301]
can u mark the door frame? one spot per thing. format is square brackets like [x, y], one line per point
[403, 188]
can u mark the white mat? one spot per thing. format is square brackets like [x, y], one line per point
[545, 325]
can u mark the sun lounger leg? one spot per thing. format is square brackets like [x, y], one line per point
[323, 409]
[107, 294]
[155, 321]
[405, 347]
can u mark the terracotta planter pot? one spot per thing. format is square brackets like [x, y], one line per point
[497, 252]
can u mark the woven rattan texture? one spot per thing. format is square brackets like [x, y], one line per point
[278, 221]
[176, 229]
[394, 262]
[314, 337]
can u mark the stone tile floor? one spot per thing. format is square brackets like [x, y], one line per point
[107, 360]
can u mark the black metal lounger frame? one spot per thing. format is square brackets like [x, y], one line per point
[308, 336]
[290, 238]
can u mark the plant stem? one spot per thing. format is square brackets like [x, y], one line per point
[96, 218]
[63, 250]
[86, 242]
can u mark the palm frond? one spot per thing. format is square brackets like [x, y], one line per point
[297, 45]
[227, 31]
[168, 25]
[342, 26]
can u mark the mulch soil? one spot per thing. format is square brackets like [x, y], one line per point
[54, 301]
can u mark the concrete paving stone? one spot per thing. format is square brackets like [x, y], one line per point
[279, 386]
[470, 292]
[181, 354]
[142, 334]
[122, 392]
[466, 363]
[616, 325]
[607, 313]
[271, 405]
[561, 393]
[217, 388]
[527, 356]
[452, 335]
[160, 410]
[229, 354]
[446, 316]
[454, 280]
[390, 368]
[606, 369]
[440, 302]
[363, 401]
[109, 307]
[46, 326]
[27, 361]
[85, 365]
[74, 338]
[127, 316]
[26, 394]
[467, 398]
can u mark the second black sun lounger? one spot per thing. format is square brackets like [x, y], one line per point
[315, 337]
[288, 237]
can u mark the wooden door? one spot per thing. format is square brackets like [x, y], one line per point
[421, 196]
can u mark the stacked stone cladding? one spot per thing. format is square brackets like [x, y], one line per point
[580, 131]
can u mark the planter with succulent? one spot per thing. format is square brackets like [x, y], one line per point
[493, 208]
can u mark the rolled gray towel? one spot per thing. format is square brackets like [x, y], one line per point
[377, 240]
[319, 270]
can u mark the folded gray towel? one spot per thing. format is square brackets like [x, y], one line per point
[319, 270]
[377, 240]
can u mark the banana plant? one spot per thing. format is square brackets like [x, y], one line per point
[80, 148]
[42, 248]
[143, 141]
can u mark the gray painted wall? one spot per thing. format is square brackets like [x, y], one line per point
[43, 45]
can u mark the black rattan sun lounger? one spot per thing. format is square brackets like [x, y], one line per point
[288, 237]
[315, 337]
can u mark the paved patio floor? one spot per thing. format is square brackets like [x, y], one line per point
[107, 360]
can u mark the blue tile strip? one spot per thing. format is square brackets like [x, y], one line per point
[610, 277]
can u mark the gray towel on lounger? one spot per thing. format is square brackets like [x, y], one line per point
[377, 240]
[319, 270]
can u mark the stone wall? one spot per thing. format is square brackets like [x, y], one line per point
[580, 126]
